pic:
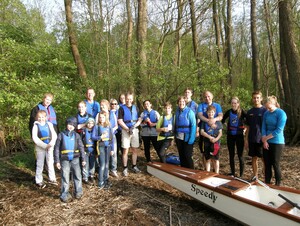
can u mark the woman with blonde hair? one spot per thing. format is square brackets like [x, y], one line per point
[273, 124]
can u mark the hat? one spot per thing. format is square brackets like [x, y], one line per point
[71, 121]
[90, 119]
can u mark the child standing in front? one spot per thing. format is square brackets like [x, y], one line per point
[165, 128]
[103, 134]
[44, 137]
[212, 135]
[68, 149]
[88, 172]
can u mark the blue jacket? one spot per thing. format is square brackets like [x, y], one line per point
[274, 123]
[181, 119]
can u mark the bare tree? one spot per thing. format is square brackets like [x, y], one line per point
[217, 31]
[73, 39]
[177, 44]
[254, 43]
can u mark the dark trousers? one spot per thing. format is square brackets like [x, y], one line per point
[185, 151]
[163, 146]
[147, 140]
[272, 159]
[119, 147]
[238, 142]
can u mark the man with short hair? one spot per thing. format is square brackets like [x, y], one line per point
[92, 106]
[128, 119]
[253, 131]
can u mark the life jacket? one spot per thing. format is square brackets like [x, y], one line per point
[193, 106]
[112, 119]
[51, 115]
[151, 115]
[234, 126]
[82, 119]
[182, 123]
[87, 140]
[130, 117]
[167, 123]
[68, 148]
[107, 131]
[44, 133]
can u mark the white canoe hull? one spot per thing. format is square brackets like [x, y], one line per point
[232, 204]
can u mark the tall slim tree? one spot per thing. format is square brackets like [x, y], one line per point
[129, 33]
[141, 76]
[254, 45]
[73, 39]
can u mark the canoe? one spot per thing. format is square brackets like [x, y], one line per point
[248, 203]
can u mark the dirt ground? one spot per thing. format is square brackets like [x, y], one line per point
[139, 199]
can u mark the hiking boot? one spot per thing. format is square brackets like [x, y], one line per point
[125, 172]
[41, 185]
[136, 169]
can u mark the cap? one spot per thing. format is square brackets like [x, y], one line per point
[90, 119]
[71, 121]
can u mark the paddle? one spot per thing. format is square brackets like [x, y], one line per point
[280, 195]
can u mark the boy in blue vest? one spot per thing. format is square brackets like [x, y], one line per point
[88, 172]
[67, 150]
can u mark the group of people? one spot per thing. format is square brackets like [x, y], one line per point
[101, 131]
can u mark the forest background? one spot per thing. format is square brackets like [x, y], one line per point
[155, 48]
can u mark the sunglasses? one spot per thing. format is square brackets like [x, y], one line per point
[113, 104]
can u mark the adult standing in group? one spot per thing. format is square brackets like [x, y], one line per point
[149, 118]
[92, 106]
[122, 99]
[273, 124]
[185, 132]
[188, 93]
[202, 115]
[46, 106]
[253, 131]
[235, 133]
[128, 120]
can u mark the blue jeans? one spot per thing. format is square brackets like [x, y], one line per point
[103, 159]
[67, 167]
[89, 169]
[113, 158]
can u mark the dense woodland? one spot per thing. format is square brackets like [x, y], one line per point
[155, 48]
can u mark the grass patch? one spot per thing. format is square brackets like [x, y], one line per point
[24, 160]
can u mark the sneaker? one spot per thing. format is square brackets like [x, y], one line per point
[78, 196]
[114, 174]
[66, 200]
[41, 185]
[136, 169]
[53, 182]
[125, 172]
[101, 186]
[85, 181]
[107, 185]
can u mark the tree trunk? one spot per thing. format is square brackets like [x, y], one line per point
[272, 50]
[141, 76]
[229, 40]
[254, 43]
[73, 39]
[129, 34]
[217, 31]
[290, 58]
[177, 49]
[194, 29]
